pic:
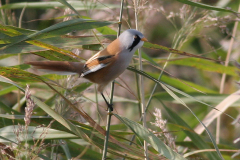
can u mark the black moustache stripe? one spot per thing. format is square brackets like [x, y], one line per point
[137, 39]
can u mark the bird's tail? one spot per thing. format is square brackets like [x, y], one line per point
[58, 67]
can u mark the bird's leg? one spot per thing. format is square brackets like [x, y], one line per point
[110, 106]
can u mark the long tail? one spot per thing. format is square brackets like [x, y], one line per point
[58, 67]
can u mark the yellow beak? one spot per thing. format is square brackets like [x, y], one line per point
[144, 39]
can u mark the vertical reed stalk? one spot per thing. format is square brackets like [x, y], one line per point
[19, 59]
[224, 76]
[141, 83]
[111, 95]
[175, 45]
[107, 130]
[98, 110]
[3, 20]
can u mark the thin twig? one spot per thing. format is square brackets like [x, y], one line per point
[224, 75]
[111, 96]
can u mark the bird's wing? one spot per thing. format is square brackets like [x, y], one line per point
[96, 63]
[103, 58]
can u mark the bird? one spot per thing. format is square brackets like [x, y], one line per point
[103, 67]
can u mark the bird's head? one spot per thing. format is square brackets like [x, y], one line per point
[131, 40]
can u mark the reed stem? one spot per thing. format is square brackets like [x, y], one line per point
[218, 128]
[141, 83]
[111, 95]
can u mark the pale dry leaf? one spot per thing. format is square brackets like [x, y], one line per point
[222, 106]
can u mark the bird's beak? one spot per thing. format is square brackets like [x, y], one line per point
[144, 39]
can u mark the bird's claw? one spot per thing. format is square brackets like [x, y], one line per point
[110, 106]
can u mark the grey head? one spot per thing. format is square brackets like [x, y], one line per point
[131, 40]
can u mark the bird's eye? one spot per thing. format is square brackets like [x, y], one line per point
[135, 37]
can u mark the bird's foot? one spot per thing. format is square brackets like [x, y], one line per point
[110, 106]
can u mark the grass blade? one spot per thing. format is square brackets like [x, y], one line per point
[208, 132]
[65, 3]
[148, 136]
[196, 139]
[173, 89]
[205, 6]
[60, 29]
[6, 80]
[222, 106]
[79, 5]
[175, 51]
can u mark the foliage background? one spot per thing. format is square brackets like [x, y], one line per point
[200, 31]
